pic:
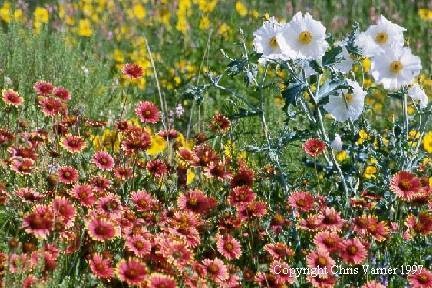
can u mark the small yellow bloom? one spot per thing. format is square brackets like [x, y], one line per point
[158, 145]
[341, 156]
[5, 14]
[207, 6]
[427, 142]
[366, 63]
[370, 172]
[425, 14]
[18, 15]
[241, 8]
[204, 23]
[190, 176]
[84, 28]
[139, 11]
[363, 136]
[41, 15]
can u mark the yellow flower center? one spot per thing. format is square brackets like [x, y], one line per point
[381, 38]
[273, 43]
[348, 98]
[396, 67]
[305, 37]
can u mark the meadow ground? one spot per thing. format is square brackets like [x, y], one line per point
[158, 143]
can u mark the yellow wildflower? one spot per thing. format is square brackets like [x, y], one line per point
[190, 176]
[370, 172]
[427, 142]
[241, 8]
[84, 28]
[41, 15]
[158, 145]
[5, 13]
[18, 15]
[342, 156]
[118, 56]
[204, 23]
[363, 136]
[366, 63]
[207, 6]
[139, 11]
[425, 14]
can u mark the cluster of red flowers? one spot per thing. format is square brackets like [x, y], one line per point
[137, 219]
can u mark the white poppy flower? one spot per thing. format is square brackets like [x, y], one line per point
[346, 62]
[380, 36]
[347, 105]
[395, 67]
[416, 93]
[303, 38]
[266, 42]
[336, 144]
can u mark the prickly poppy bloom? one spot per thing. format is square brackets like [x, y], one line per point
[22, 166]
[228, 246]
[39, 221]
[314, 147]
[64, 211]
[319, 258]
[67, 175]
[373, 284]
[138, 245]
[61, 93]
[405, 185]
[278, 250]
[29, 195]
[420, 279]
[241, 196]
[157, 168]
[102, 229]
[148, 112]
[303, 201]
[132, 271]
[353, 251]
[327, 240]
[196, 201]
[158, 280]
[84, 194]
[144, 201]
[43, 88]
[11, 97]
[216, 270]
[73, 144]
[103, 160]
[133, 71]
[100, 266]
[51, 106]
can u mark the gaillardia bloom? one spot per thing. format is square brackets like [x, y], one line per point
[133, 71]
[102, 229]
[100, 266]
[39, 221]
[405, 185]
[103, 160]
[73, 144]
[148, 112]
[314, 147]
[132, 271]
[11, 97]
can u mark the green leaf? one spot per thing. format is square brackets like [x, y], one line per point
[291, 93]
[331, 87]
[331, 56]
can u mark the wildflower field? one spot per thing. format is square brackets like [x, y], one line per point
[215, 143]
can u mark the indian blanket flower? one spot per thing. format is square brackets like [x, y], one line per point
[65, 211]
[61, 93]
[84, 194]
[147, 112]
[159, 280]
[220, 123]
[328, 240]
[302, 201]
[303, 38]
[241, 195]
[347, 104]
[43, 88]
[405, 185]
[373, 284]
[314, 147]
[216, 270]
[422, 224]
[39, 221]
[52, 106]
[420, 279]
[144, 201]
[353, 251]
[28, 194]
[266, 40]
[319, 258]
[23, 166]
[278, 251]
[133, 71]
[67, 175]
[73, 144]
[157, 168]
[123, 173]
[110, 205]
[132, 271]
[416, 93]
[228, 246]
[11, 97]
[139, 245]
[196, 201]
[103, 160]
[101, 267]
[395, 67]
[380, 37]
[102, 229]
